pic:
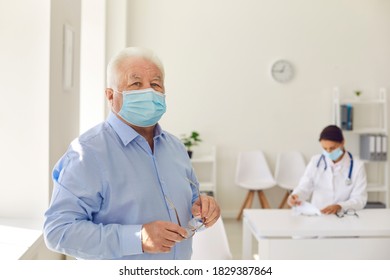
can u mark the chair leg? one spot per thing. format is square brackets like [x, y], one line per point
[247, 203]
[284, 201]
[250, 200]
[263, 200]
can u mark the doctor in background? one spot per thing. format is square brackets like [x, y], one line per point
[334, 180]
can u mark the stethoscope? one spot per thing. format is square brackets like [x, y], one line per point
[348, 181]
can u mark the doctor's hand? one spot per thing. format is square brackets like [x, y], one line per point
[209, 210]
[161, 236]
[331, 209]
[293, 200]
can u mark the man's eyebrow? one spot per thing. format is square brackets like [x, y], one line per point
[158, 77]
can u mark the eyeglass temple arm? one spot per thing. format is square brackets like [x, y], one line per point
[200, 200]
[174, 208]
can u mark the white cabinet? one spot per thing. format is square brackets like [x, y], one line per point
[361, 118]
[205, 167]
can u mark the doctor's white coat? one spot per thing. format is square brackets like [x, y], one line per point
[326, 184]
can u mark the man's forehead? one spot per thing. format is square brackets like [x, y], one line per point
[138, 75]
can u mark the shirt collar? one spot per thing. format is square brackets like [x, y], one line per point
[125, 132]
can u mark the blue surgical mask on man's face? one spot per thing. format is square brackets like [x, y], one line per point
[334, 155]
[142, 107]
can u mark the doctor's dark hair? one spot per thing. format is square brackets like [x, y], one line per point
[332, 133]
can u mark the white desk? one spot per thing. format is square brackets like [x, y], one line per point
[281, 235]
[15, 241]
[23, 239]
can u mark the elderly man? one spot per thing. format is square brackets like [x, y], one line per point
[125, 189]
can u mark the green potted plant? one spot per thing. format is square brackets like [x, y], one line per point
[358, 93]
[191, 140]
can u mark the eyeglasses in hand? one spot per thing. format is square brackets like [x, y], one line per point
[348, 212]
[196, 223]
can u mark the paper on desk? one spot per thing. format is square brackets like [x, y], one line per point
[307, 209]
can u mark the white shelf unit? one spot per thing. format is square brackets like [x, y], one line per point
[369, 117]
[205, 167]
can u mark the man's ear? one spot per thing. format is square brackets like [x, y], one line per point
[109, 95]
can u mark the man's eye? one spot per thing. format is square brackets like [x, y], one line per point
[155, 85]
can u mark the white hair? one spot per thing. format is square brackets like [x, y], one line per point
[112, 67]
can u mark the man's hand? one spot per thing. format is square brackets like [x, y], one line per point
[210, 210]
[293, 200]
[161, 236]
[331, 209]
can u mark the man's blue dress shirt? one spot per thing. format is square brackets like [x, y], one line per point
[108, 184]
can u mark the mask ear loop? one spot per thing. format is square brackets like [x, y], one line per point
[112, 103]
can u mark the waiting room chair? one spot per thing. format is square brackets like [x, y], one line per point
[211, 243]
[253, 174]
[289, 168]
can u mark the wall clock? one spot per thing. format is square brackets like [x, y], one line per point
[282, 71]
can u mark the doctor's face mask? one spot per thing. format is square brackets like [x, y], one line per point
[334, 155]
[332, 150]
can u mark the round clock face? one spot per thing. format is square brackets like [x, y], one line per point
[282, 71]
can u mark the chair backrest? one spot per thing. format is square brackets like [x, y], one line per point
[289, 168]
[253, 166]
[211, 244]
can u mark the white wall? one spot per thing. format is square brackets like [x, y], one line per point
[24, 91]
[103, 34]
[92, 63]
[218, 55]
[64, 103]
[38, 118]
